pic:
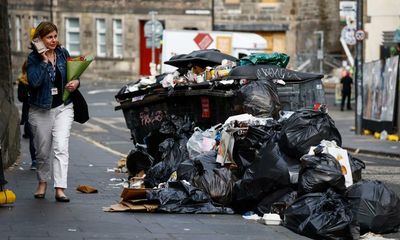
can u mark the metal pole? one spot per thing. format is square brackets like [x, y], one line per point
[359, 70]
[153, 48]
[212, 16]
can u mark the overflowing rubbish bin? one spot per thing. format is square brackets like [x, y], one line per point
[250, 137]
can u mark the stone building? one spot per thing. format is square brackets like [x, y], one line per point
[113, 31]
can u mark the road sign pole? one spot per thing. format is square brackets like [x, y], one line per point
[359, 70]
[153, 48]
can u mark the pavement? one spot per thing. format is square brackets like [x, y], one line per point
[83, 217]
[362, 144]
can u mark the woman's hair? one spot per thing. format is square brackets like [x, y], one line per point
[43, 29]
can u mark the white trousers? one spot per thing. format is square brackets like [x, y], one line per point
[51, 130]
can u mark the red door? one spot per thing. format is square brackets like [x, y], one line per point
[145, 53]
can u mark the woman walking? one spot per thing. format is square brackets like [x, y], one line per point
[49, 116]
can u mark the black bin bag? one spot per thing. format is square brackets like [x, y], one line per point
[181, 197]
[217, 183]
[260, 98]
[137, 160]
[320, 172]
[357, 165]
[187, 169]
[173, 153]
[322, 216]
[376, 208]
[306, 128]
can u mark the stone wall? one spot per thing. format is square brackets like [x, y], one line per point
[9, 116]
[173, 14]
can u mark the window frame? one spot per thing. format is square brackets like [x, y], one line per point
[99, 32]
[68, 30]
[115, 33]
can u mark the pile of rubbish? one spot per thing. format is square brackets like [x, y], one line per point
[265, 157]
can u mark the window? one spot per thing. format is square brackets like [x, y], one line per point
[18, 34]
[101, 37]
[72, 39]
[117, 38]
[36, 21]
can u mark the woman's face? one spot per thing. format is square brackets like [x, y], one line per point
[50, 40]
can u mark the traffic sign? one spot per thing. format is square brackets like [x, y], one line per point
[153, 25]
[359, 35]
[203, 40]
[348, 35]
[149, 42]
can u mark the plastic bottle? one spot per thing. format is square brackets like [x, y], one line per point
[384, 135]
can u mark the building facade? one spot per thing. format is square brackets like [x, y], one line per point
[113, 30]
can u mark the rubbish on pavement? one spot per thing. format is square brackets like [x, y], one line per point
[272, 219]
[384, 135]
[340, 155]
[181, 197]
[322, 216]
[320, 172]
[306, 128]
[276, 202]
[86, 189]
[251, 216]
[376, 208]
[138, 160]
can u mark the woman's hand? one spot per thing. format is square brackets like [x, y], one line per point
[72, 85]
[44, 57]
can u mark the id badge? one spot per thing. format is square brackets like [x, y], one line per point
[54, 91]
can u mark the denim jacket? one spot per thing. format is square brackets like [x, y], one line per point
[41, 77]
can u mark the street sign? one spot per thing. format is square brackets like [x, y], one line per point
[153, 25]
[203, 40]
[149, 43]
[359, 35]
[348, 35]
[320, 54]
[347, 10]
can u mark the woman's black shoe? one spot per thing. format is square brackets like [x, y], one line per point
[62, 199]
[39, 195]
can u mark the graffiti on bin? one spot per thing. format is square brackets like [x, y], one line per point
[148, 118]
[276, 73]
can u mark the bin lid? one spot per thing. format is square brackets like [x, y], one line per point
[206, 57]
[270, 72]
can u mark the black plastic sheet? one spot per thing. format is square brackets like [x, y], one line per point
[306, 128]
[320, 172]
[376, 208]
[322, 216]
[180, 197]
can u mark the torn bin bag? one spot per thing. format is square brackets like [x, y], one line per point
[306, 128]
[138, 159]
[322, 216]
[376, 208]
[320, 172]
